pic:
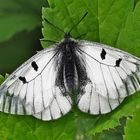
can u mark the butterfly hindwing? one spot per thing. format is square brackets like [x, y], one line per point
[32, 88]
[113, 75]
[58, 107]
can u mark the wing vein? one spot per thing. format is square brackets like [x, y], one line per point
[99, 104]
[42, 92]
[33, 96]
[106, 87]
[90, 97]
[114, 83]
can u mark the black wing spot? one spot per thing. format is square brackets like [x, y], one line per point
[118, 62]
[103, 54]
[23, 79]
[34, 65]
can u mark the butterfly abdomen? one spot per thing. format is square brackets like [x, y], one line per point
[69, 71]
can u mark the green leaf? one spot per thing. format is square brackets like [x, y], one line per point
[108, 22]
[19, 15]
[1, 79]
[111, 134]
[15, 127]
[132, 129]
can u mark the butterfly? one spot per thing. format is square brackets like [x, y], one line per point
[94, 76]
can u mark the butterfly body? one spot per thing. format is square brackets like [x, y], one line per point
[69, 69]
[102, 77]
[74, 74]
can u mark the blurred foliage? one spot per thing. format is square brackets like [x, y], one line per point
[18, 49]
[20, 31]
[19, 15]
[113, 22]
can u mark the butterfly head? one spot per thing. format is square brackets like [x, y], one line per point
[68, 43]
[67, 35]
[67, 38]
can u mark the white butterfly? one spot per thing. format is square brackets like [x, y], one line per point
[43, 86]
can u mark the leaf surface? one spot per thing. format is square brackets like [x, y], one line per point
[19, 15]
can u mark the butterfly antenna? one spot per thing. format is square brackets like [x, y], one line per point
[78, 37]
[54, 25]
[78, 22]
